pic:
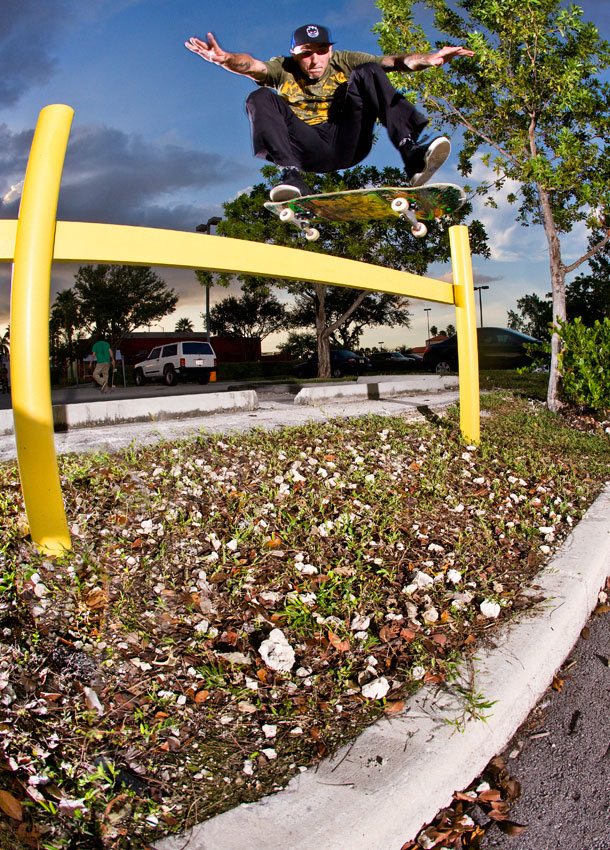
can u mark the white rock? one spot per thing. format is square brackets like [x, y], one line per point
[376, 689]
[454, 576]
[269, 730]
[276, 652]
[489, 609]
[270, 753]
[360, 623]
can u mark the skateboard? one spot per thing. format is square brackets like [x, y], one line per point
[415, 205]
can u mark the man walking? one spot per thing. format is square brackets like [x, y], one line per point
[103, 358]
[315, 110]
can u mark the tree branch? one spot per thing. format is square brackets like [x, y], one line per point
[473, 129]
[350, 310]
[589, 254]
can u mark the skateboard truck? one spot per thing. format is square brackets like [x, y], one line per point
[289, 216]
[401, 206]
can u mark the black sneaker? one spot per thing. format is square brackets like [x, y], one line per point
[291, 186]
[422, 160]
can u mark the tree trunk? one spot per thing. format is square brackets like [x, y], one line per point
[558, 276]
[322, 332]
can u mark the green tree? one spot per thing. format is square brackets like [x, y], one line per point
[531, 101]
[299, 345]
[66, 326]
[534, 316]
[114, 300]
[254, 314]
[587, 299]
[376, 308]
[184, 325]
[5, 342]
[388, 243]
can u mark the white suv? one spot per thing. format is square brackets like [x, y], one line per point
[191, 359]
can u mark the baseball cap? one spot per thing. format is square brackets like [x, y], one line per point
[310, 34]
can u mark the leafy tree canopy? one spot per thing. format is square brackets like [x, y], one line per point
[114, 300]
[256, 313]
[530, 102]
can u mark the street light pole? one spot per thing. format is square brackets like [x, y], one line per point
[480, 301]
[207, 228]
[427, 312]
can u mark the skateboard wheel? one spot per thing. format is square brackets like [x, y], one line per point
[420, 230]
[287, 214]
[400, 205]
[312, 235]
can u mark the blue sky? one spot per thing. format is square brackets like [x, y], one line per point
[160, 137]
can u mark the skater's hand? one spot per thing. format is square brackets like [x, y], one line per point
[238, 63]
[210, 50]
[446, 54]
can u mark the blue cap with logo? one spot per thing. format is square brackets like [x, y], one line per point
[310, 34]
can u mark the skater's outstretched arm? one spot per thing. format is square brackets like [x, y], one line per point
[420, 61]
[238, 63]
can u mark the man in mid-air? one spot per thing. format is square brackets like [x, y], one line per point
[315, 110]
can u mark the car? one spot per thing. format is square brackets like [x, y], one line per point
[186, 359]
[342, 362]
[499, 348]
[395, 361]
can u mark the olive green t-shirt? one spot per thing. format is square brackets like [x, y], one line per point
[309, 99]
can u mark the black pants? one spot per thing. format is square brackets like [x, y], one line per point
[279, 136]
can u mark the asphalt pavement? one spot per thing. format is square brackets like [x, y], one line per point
[561, 755]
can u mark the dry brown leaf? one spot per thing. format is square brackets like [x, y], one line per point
[602, 609]
[274, 542]
[408, 634]
[394, 707]
[492, 795]
[201, 696]
[335, 640]
[557, 683]
[11, 806]
[388, 632]
[96, 599]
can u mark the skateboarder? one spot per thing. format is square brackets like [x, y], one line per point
[324, 117]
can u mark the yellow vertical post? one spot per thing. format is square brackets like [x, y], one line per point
[466, 327]
[30, 293]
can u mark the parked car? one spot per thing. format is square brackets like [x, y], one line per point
[342, 362]
[499, 348]
[395, 361]
[185, 360]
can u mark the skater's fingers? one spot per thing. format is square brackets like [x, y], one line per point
[212, 41]
[196, 45]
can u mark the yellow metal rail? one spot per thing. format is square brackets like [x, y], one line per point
[37, 240]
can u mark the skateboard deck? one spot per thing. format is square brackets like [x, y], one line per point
[415, 204]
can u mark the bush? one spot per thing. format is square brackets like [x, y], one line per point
[254, 370]
[584, 363]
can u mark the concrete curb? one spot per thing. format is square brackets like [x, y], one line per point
[378, 792]
[114, 412]
[372, 388]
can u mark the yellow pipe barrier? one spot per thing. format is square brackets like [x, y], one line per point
[30, 376]
[36, 240]
[466, 328]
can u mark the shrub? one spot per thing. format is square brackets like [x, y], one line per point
[584, 363]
